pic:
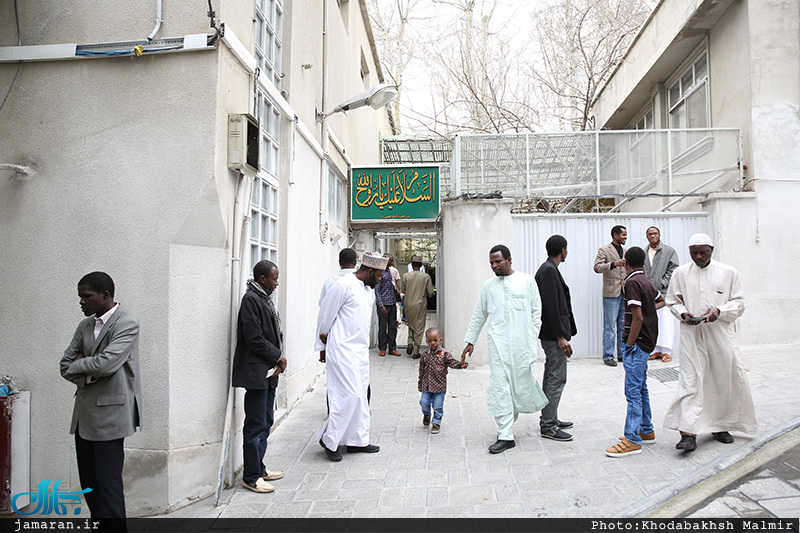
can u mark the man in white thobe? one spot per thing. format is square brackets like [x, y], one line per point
[713, 394]
[511, 302]
[343, 324]
[347, 265]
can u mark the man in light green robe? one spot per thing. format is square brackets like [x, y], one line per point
[510, 301]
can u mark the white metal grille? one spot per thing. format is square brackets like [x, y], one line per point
[585, 233]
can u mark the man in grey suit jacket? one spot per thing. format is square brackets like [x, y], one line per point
[103, 361]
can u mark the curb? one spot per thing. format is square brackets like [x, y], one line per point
[677, 499]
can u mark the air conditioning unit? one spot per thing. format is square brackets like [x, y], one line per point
[243, 143]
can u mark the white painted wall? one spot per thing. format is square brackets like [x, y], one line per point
[132, 179]
[754, 80]
[585, 234]
[470, 228]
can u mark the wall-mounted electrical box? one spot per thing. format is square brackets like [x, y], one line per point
[243, 143]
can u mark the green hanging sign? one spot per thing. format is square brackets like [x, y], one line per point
[394, 192]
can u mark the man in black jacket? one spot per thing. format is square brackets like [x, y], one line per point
[558, 327]
[256, 364]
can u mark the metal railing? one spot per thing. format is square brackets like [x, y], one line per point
[622, 165]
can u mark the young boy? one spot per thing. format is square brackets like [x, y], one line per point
[640, 334]
[433, 378]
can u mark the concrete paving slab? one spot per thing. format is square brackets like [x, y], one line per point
[417, 474]
[762, 489]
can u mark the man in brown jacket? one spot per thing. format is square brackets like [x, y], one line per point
[610, 263]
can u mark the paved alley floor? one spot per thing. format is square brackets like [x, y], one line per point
[452, 474]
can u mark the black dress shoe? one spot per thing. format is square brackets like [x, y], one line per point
[501, 445]
[416, 356]
[610, 362]
[619, 359]
[688, 443]
[409, 349]
[724, 437]
[564, 425]
[369, 448]
[333, 456]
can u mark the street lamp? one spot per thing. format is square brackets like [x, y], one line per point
[376, 97]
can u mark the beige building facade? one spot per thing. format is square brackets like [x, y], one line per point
[699, 64]
[119, 162]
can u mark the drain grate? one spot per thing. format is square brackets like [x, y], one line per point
[664, 374]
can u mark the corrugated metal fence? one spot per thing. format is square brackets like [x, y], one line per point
[585, 233]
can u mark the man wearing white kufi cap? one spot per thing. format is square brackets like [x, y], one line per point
[713, 394]
[345, 315]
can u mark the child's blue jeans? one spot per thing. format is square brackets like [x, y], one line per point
[435, 399]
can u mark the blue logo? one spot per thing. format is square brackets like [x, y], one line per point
[47, 502]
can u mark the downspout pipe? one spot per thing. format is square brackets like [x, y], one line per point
[157, 27]
[241, 228]
[323, 130]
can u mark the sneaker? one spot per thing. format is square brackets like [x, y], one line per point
[435, 428]
[648, 438]
[564, 425]
[259, 486]
[688, 443]
[271, 475]
[426, 420]
[624, 447]
[557, 434]
[610, 362]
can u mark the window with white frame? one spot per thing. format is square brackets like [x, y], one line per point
[269, 44]
[337, 199]
[642, 151]
[264, 221]
[688, 103]
[264, 202]
[269, 117]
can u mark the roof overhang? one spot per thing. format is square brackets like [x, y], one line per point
[662, 44]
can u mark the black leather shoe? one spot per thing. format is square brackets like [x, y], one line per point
[610, 362]
[619, 359]
[688, 443]
[369, 448]
[724, 437]
[502, 445]
[564, 425]
[416, 356]
[409, 349]
[333, 456]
